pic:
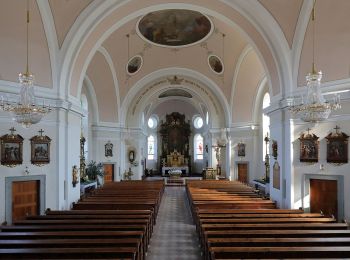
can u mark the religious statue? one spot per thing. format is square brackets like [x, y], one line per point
[217, 154]
[128, 174]
[75, 176]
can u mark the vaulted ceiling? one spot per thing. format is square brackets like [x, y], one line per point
[93, 33]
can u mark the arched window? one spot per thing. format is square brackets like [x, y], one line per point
[151, 147]
[265, 123]
[198, 147]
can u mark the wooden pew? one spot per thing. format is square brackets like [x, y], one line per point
[279, 252]
[120, 230]
[121, 253]
[233, 223]
[75, 243]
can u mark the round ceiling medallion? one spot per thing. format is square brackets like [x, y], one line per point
[216, 64]
[134, 64]
[174, 27]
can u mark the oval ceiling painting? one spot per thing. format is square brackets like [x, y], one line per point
[174, 27]
[215, 64]
[134, 64]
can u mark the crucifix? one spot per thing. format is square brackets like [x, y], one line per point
[41, 131]
[12, 129]
[336, 129]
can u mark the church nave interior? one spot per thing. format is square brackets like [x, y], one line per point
[153, 129]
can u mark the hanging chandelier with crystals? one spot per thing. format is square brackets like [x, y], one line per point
[313, 108]
[26, 112]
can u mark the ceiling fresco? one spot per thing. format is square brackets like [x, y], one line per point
[174, 27]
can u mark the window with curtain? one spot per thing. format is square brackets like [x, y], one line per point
[151, 147]
[265, 123]
[198, 147]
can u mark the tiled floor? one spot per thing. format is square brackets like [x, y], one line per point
[174, 236]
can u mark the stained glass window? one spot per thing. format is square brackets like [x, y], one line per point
[198, 144]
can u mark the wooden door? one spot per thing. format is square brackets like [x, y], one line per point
[109, 172]
[324, 197]
[243, 172]
[25, 199]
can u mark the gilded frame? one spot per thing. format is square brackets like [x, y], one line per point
[40, 150]
[11, 150]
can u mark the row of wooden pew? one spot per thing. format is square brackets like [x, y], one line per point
[234, 222]
[115, 222]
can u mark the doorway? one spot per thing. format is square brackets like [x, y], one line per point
[25, 199]
[242, 169]
[109, 172]
[324, 197]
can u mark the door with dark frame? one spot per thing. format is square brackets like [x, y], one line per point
[324, 197]
[25, 199]
[109, 172]
[243, 172]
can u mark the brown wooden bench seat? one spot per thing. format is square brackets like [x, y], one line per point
[276, 233]
[115, 217]
[102, 212]
[121, 227]
[94, 222]
[265, 227]
[260, 215]
[98, 212]
[75, 243]
[269, 226]
[235, 205]
[279, 252]
[100, 235]
[249, 211]
[266, 220]
[121, 253]
[277, 242]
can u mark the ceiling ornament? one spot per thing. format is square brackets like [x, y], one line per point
[174, 28]
[26, 112]
[313, 107]
[175, 80]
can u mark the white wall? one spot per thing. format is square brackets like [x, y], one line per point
[300, 168]
[63, 127]
[100, 137]
[251, 139]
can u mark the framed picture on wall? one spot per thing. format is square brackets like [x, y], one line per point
[40, 149]
[337, 147]
[108, 149]
[276, 176]
[241, 149]
[309, 147]
[11, 149]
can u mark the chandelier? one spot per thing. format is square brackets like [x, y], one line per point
[25, 112]
[313, 108]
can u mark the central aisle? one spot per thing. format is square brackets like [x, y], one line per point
[174, 236]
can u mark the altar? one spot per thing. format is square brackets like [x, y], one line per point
[183, 169]
[174, 145]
